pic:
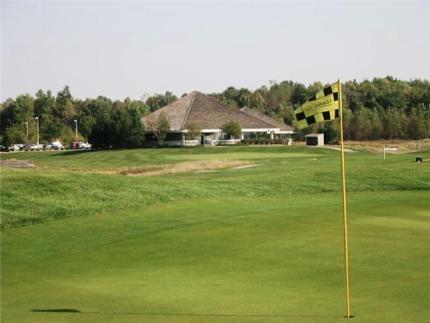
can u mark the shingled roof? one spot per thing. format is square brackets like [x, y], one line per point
[277, 123]
[206, 112]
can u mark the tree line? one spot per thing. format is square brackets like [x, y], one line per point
[382, 108]
[101, 121]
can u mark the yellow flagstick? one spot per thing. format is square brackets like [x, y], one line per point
[345, 216]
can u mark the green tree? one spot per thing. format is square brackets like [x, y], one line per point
[99, 113]
[14, 135]
[287, 114]
[64, 108]
[44, 103]
[193, 131]
[68, 135]
[127, 125]
[138, 106]
[377, 126]
[50, 127]
[230, 96]
[257, 101]
[313, 89]
[232, 129]
[160, 126]
[361, 124]
[299, 94]
[244, 98]
[330, 131]
[395, 123]
[418, 123]
[382, 107]
[17, 111]
[348, 118]
[158, 101]
[85, 124]
[419, 93]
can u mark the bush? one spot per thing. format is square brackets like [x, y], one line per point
[232, 129]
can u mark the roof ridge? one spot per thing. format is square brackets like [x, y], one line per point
[258, 119]
[260, 115]
[242, 112]
[194, 94]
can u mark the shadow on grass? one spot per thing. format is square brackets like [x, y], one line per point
[71, 310]
[72, 152]
[55, 310]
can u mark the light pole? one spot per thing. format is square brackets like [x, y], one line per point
[76, 130]
[37, 128]
[26, 126]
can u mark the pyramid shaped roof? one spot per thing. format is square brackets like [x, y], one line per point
[277, 123]
[205, 112]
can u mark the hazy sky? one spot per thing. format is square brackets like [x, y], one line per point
[131, 48]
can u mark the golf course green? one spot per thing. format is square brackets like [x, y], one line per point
[82, 243]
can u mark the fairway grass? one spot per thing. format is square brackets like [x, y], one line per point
[261, 244]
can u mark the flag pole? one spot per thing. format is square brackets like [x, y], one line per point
[345, 215]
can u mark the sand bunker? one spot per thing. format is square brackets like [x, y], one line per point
[245, 166]
[183, 167]
[16, 163]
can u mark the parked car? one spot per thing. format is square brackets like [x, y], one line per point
[36, 147]
[55, 145]
[80, 145]
[15, 147]
[74, 145]
[85, 145]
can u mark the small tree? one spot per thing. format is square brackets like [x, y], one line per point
[193, 131]
[160, 127]
[232, 129]
[14, 135]
[417, 123]
[329, 129]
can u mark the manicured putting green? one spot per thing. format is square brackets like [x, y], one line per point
[236, 259]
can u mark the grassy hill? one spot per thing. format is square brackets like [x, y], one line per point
[260, 244]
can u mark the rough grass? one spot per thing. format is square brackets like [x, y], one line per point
[259, 244]
[402, 146]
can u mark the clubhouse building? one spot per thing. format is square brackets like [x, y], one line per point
[209, 116]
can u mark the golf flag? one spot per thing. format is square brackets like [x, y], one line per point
[323, 106]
